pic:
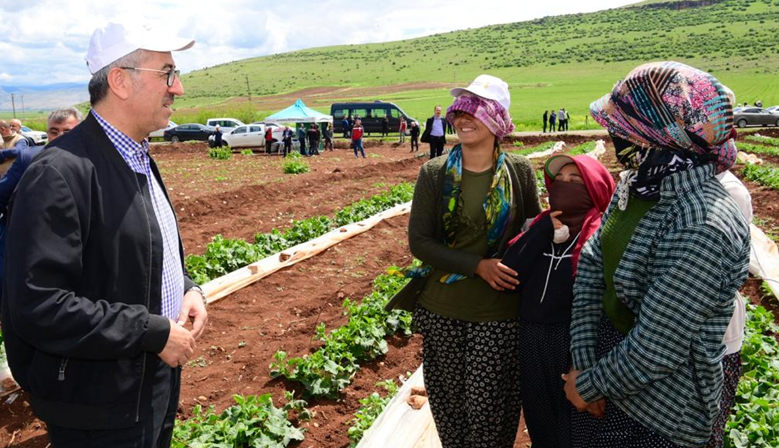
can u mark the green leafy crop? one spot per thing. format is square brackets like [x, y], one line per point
[252, 422]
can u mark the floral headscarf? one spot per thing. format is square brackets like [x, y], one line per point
[674, 117]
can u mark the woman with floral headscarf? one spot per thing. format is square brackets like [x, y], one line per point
[656, 283]
[465, 208]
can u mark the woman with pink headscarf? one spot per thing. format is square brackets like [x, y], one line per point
[466, 207]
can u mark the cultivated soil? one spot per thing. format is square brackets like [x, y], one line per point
[249, 194]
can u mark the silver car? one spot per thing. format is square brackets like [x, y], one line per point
[755, 116]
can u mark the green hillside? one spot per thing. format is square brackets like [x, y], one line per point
[562, 61]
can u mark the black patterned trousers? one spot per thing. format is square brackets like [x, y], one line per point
[471, 372]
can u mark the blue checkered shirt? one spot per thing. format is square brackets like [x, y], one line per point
[137, 157]
[686, 259]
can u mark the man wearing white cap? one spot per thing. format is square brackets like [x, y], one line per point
[97, 302]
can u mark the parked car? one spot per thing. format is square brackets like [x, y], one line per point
[188, 131]
[249, 136]
[225, 124]
[161, 132]
[371, 114]
[40, 138]
[755, 116]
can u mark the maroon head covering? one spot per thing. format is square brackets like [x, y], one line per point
[600, 186]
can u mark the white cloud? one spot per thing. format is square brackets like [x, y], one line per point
[236, 29]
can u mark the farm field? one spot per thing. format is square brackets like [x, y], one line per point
[553, 62]
[247, 194]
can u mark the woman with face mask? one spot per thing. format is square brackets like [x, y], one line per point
[545, 258]
[466, 206]
[656, 283]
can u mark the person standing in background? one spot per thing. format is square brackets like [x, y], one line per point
[560, 120]
[552, 120]
[434, 134]
[414, 134]
[357, 133]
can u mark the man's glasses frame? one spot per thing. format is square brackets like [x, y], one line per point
[172, 73]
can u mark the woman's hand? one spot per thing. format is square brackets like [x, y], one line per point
[556, 222]
[499, 276]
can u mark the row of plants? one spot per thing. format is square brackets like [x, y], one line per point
[754, 422]
[294, 164]
[327, 371]
[766, 174]
[762, 139]
[533, 149]
[759, 149]
[223, 153]
[371, 407]
[584, 148]
[254, 421]
[224, 255]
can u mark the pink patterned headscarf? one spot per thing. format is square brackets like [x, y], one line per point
[670, 105]
[489, 112]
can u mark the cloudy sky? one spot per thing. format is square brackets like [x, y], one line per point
[44, 41]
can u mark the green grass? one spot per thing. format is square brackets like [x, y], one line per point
[564, 61]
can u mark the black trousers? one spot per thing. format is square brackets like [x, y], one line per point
[471, 372]
[543, 358]
[156, 431]
[436, 146]
[544, 125]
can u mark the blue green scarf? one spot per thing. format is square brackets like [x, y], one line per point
[497, 207]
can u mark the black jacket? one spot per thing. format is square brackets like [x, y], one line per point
[429, 128]
[545, 276]
[82, 294]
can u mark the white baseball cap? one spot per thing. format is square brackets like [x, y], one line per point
[116, 40]
[487, 86]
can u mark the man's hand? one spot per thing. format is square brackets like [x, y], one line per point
[496, 274]
[193, 308]
[571, 393]
[180, 346]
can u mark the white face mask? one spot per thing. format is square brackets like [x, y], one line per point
[561, 235]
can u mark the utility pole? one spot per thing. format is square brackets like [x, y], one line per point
[248, 89]
[13, 105]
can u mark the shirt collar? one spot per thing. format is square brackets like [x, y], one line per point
[122, 141]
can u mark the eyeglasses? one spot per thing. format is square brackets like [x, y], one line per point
[172, 73]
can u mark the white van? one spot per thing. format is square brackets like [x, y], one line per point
[225, 124]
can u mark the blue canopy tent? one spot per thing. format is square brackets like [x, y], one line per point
[299, 113]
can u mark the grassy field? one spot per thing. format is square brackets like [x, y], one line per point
[564, 61]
